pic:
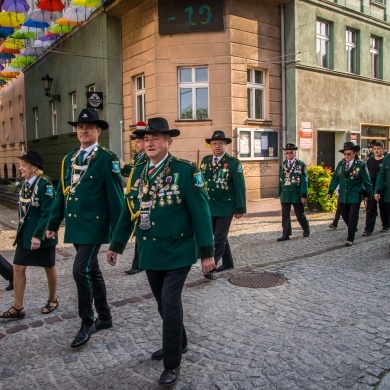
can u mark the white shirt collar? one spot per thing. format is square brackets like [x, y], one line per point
[159, 163]
[219, 158]
[31, 180]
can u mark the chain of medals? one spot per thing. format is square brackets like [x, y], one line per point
[27, 199]
[219, 175]
[147, 192]
[75, 178]
[287, 172]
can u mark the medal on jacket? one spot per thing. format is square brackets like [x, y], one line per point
[144, 223]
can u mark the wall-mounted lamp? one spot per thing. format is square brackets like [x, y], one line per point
[47, 80]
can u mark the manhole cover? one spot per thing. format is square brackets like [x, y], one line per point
[258, 280]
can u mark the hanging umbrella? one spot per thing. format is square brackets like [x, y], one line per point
[51, 37]
[34, 24]
[58, 29]
[20, 6]
[6, 31]
[42, 44]
[7, 50]
[11, 43]
[11, 19]
[87, 3]
[23, 34]
[22, 61]
[77, 14]
[42, 16]
[10, 72]
[66, 22]
[32, 51]
[51, 5]
[6, 56]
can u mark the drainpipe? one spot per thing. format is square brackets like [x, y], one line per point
[283, 53]
[121, 139]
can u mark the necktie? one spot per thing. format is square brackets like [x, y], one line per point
[27, 184]
[151, 169]
[215, 160]
[81, 157]
[347, 166]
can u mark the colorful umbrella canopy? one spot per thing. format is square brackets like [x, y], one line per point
[23, 34]
[59, 29]
[11, 43]
[34, 24]
[10, 72]
[51, 5]
[6, 31]
[32, 51]
[42, 44]
[7, 50]
[66, 22]
[51, 37]
[6, 56]
[87, 3]
[11, 19]
[22, 61]
[20, 6]
[42, 16]
[77, 14]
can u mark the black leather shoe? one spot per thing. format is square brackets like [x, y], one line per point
[366, 234]
[10, 286]
[223, 268]
[306, 233]
[102, 324]
[209, 275]
[132, 271]
[169, 377]
[283, 238]
[158, 355]
[83, 336]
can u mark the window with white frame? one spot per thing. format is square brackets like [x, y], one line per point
[257, 144]
[194, 93]
[140, 98]
[351, 50]
[73, 104]
[11, 131]
[323, 43]
[21, 127]
[36, 128]
[375, 57]
[54, 117]
[91, 88]
[255, 93]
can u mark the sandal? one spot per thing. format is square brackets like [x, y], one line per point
[17, 315]
[50, 306]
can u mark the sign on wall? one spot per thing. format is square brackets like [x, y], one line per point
[306, 138]
[95, 100]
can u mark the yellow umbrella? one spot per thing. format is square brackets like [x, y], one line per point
[66, 22]
[11, 19]
[11, 43]
[87, 3]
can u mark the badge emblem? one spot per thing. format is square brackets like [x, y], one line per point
[198, 180]
[49, 191]
[116, 167]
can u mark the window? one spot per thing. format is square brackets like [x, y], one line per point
[323, 39]
[91, 88]
[73, 102]
[140, 98]
[194, 93]
[255, 85]
[350, 46]
[375, 57]
[11, 131]
[258, 144]
[54, 118]
[21, 127]
[35, 113]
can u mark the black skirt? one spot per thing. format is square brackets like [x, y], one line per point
[42, 257]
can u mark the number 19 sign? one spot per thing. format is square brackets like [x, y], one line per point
[183, 16]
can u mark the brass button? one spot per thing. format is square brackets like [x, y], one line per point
[144, 238]
[97, 217]
[154, 239]
[153, 223]
[75, 216]
[69, 215]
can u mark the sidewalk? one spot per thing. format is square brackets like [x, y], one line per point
[327, 327]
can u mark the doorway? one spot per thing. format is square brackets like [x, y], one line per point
[326, 149]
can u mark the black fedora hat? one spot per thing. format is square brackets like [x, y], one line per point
[33, 158]
[220, 136]
[157, 125]
[350, 145]
[88, 115]
[290, 147]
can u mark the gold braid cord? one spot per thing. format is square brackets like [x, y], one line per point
[64, 190]
[134, 216]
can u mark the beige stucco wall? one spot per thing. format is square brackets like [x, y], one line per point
[251, 39]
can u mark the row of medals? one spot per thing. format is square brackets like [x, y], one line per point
[26, 198]
[157, 188]
[221, 182]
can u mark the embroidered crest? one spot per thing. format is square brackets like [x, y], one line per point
[198, 179]
[116, 167]
[49, 191]
[239, 168]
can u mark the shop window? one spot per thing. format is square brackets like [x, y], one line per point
[258, 144]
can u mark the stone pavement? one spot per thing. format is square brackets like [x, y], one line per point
[327, 327]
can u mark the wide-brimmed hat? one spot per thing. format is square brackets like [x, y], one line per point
[350, 145]
[33, 158]
[88, 115]
[220, 136]
[157, 125]
[290, 147]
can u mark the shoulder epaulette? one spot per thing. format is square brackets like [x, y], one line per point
[233, 158]
[185, 161]
[107, 150]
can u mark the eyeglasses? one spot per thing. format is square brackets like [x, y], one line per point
[218, 143]
[348, 154]
[288, 152]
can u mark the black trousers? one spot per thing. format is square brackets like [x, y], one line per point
[299, 210]
[337, 215]
[221, 226]
[6, 269]
[135, 263]
[167, 287]
[91, 288]
[372, 212]
[350, 214]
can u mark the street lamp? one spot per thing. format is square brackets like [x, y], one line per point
[47, 80]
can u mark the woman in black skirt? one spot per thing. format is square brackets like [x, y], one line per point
[32, 247]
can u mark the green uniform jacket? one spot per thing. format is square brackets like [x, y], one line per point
[293, 182]
[137, 159]
[36, 212]
[180, 219]
[382, 185]
[225, 184]
[92, 211]
[354, 183]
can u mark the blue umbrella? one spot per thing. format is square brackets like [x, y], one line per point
[6, 31]
[6, 55]
[33, 23]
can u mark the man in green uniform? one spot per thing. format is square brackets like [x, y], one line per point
[90, 197]
[293, 189]
[166, 208]
[139, 157]
[225, 185]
